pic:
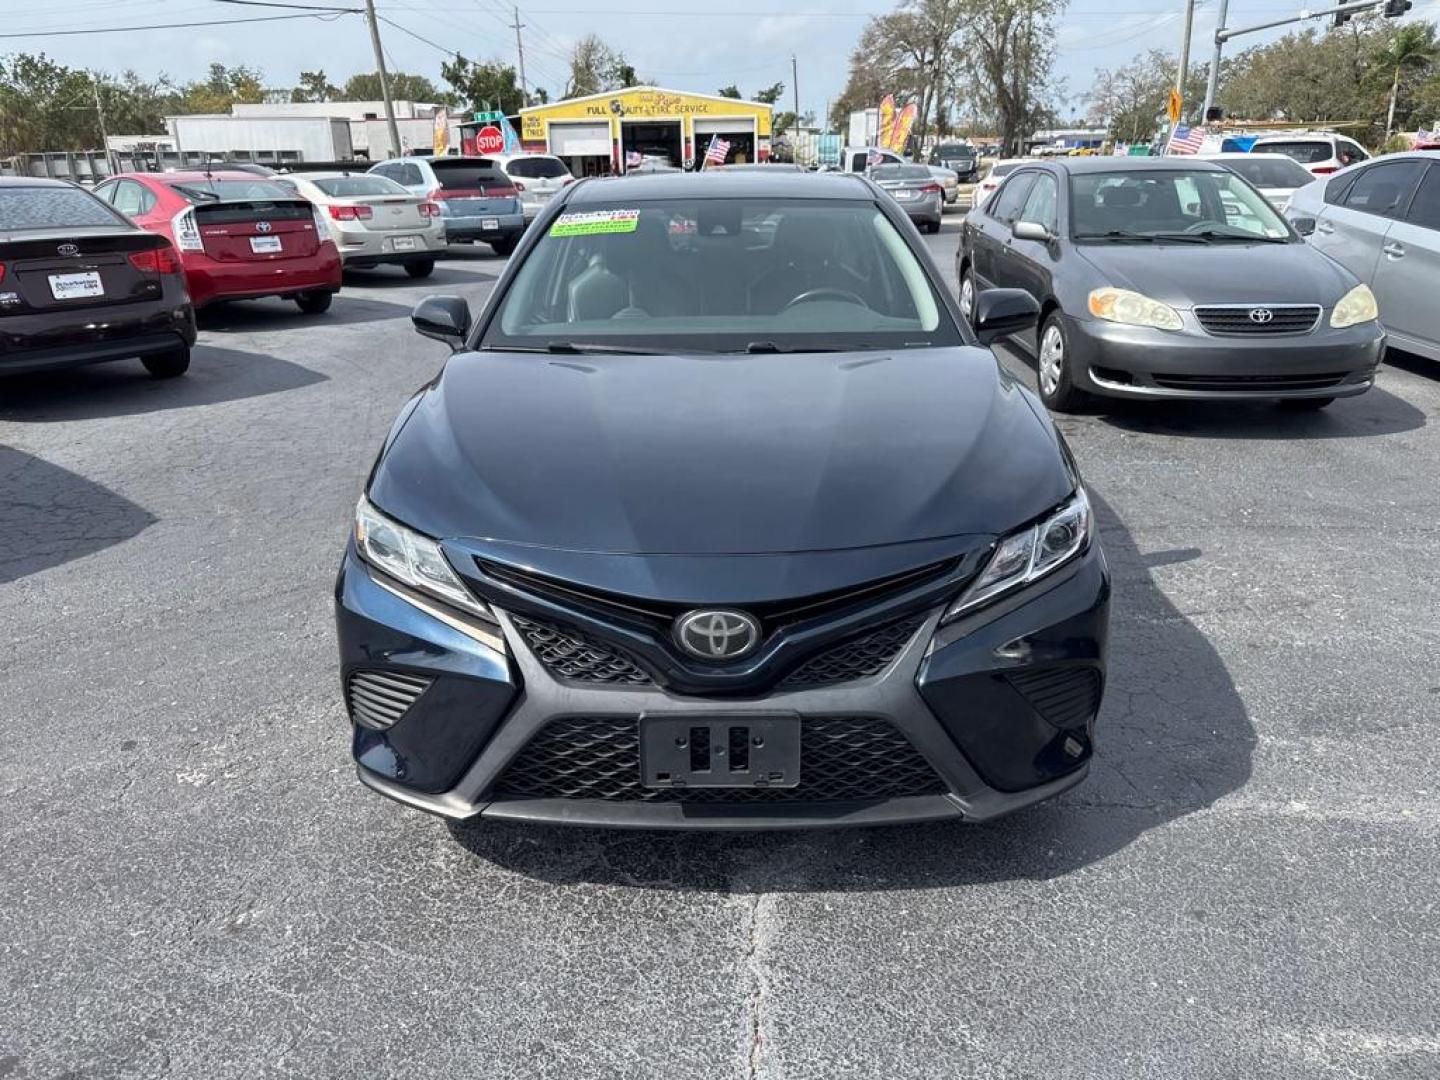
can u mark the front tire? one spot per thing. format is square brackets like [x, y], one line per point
[1053, 373]
[168, 365]
[967, 296]
[422, 269]
[314, 303]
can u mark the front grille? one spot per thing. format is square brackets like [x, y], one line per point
[1211, 383]
[378, 699]
[858, 658]
[1284, 319]
[569, 654]
[842, 759]
[1066, 697]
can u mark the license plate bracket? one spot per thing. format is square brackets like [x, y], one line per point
[741, 751]
[76, 286]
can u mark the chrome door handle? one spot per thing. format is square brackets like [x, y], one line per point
[1394, 250]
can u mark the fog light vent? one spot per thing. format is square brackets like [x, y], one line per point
[1066, 697]
[379, 698]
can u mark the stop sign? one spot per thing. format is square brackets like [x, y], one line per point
[489, 140]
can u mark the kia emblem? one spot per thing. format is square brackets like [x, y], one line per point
[69, 251]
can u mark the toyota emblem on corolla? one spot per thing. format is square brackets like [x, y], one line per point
[1261, 315]
[717, 635]
[262, 226]
[69, 251]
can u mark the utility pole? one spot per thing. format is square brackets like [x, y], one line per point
[1212, 85]
[397, 150]
[520, 49]
[795, 85]
[100, 112]
[1184, 73]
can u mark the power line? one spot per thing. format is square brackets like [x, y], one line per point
[293, 7]
[169, 26]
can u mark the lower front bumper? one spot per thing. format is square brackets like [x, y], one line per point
[450, 752]
[1138, 362]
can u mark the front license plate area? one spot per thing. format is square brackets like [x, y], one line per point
[720, 752]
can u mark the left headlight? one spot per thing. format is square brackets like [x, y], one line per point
[411, 558]
[1132, 309]
[1356, 306]
[1025, 556]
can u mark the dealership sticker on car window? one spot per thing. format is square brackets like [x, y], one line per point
[594, 222]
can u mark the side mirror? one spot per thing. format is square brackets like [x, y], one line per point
[1305, 226]
[443, 318]
[1001, 312]
[1031, 230]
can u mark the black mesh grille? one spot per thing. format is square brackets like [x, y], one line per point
[1285, 319]
[1067, 697]
[1249, 382]
[858, 658]
[571, 655]
[841, 759]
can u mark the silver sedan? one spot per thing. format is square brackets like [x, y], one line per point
[373, 220]
[918, 193]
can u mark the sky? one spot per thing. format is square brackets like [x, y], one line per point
[696, 45]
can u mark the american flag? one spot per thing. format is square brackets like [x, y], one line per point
[873, 158]
[716, 152]
[1185, 140]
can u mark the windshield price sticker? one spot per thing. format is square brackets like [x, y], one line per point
[595, 222]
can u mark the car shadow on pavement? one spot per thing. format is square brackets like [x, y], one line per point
[1376, 412]
[250, 316]
[1173, 736]
[49, 516]
[124, 388]
[392, 277]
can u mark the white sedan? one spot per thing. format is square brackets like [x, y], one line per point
[373, 220]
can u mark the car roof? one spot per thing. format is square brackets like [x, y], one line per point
[516, 157]
[32, 181]
[1286, 136]
[325, 174]
[1132, 164]
[744, 184]
[1228, 155]
[192, 175]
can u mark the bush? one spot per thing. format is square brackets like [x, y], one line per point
[1397, 144]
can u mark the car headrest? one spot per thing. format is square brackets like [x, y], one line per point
[1120, 197]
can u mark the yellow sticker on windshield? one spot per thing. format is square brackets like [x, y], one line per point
[594, 222]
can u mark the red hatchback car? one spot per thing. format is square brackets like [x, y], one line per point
[239, 236]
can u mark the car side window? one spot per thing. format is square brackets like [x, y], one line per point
[1384, 189]
[1425, 207]
[1006, 202]
[1040, 205]
[1355, 151]
[410, 175]
[386, 170]
[106, 192]
[129, 198]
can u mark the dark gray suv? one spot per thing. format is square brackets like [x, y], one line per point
[1169, 278]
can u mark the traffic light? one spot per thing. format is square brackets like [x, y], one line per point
[1395, 8]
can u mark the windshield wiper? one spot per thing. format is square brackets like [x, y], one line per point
[1208, 235]
[574, 348]
[1116, 234]
[772, 347]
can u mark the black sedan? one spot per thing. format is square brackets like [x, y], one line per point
[1169, 278]
[80, 284]
[720, 516]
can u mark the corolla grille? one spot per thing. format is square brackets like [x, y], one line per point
[378, 699]
[1066, 697]
[858, 658]
[568, 654]
[1260, 319]
[842, 759]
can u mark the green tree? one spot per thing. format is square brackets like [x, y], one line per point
[770, 95]
[480, 86]
[222, 88]
[1130, 100]
[731, 91]
[590, 61]
[314, 86]
[403, 87]
[1414, 48]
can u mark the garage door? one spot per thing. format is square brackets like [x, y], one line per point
[575, 140]
[724, 127]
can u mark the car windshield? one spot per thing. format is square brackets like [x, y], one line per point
[209, 189]
[52, 208]
[721, 275]
[900, 172]
[1171, 204]
[1003, 168]
[946, 152]
[1305, 152]
[470, 176]
[1276, 172]
[537, 168]
[346, 187]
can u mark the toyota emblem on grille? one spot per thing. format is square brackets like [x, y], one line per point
[262, 226]
[68, 250]
[717, 635]
[1261, 315]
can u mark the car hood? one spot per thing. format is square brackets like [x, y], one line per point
[1183, 275]
[720, 455]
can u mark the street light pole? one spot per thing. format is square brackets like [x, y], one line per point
[1212, 84]
[1183, 75]
[397, 149]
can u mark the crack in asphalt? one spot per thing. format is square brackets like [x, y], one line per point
[757, 979]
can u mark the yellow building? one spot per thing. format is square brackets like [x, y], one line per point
[598, 134]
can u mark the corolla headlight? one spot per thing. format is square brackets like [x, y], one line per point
[1133, 309]
[1356, 306]
[1025, 556]
[410, 558]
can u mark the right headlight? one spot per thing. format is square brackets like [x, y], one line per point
[411, 558]
[1356, 306]
[1133, 309]
[1023, 557]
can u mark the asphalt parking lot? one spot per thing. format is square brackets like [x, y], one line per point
[192, 883]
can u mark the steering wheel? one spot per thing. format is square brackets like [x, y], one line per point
[825, 294]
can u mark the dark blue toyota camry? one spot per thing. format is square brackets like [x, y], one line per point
[721, 516]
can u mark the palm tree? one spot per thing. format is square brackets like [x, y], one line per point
[1414, 46]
